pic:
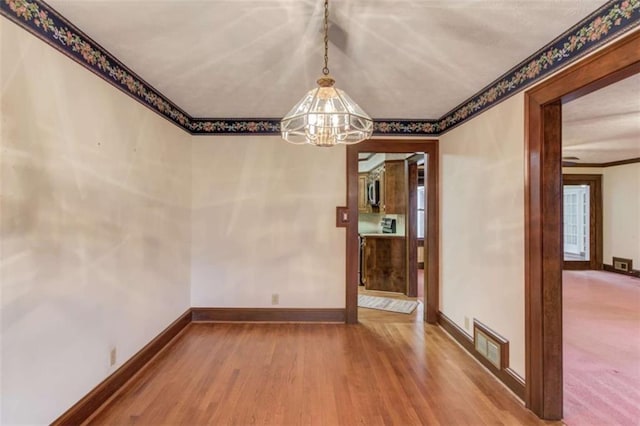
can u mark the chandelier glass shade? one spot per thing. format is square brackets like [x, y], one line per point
[326, 116]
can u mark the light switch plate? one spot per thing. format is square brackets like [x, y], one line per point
[342, 216]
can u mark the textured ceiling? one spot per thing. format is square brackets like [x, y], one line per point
[256, 58]
[604, 126]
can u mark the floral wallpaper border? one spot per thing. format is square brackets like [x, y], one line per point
[612, 19]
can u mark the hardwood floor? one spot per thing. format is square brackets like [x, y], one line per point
[389, 369]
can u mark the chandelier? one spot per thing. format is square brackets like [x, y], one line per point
[326, 116]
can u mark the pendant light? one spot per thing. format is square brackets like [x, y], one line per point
[326, 116]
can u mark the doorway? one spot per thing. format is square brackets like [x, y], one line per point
[429, 148]
[601, 310]
[387, 222]
[543, 214]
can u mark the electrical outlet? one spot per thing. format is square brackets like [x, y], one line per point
[275, 299]
[466, 323]
[112, 357]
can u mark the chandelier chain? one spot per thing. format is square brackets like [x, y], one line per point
[326, 116]
[325, 70]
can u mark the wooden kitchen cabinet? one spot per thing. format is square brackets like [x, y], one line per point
[363, 193]
[395, 187]
[384, 266]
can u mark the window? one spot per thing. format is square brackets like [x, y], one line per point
[576, 222]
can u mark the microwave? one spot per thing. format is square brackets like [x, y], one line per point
[374, 193]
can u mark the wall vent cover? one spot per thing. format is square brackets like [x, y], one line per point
[493, 347]
[622, 264]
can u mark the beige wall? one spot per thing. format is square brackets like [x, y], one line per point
[482, 223]
[620, 210]
[94, 229]
[263, 222]
[621, 213]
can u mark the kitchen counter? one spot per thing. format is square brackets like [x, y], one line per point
[384, 262]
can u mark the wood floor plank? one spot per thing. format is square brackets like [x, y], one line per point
[391, 369]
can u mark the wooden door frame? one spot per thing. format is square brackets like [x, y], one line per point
[412, 226]
[543, 213]
[594, 182]
[432, 227]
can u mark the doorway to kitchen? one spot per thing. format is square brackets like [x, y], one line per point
[387, 199]
[387, 231]
[385, 223]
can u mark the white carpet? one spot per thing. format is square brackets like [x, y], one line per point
[387, 304]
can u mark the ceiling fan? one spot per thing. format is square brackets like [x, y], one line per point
[569, 161]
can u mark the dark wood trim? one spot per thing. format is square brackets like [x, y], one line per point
[352, 242]
[432, 235]
[609, 164]
[633, 273]
[412, 229]
[268, 315]
[543, 204]
[576, 265]
[510, 378]
[518, 383]
[621, 162]
[595, 221]
[432, 227]
[84, 408]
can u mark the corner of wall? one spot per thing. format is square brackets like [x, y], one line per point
[95, 240]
